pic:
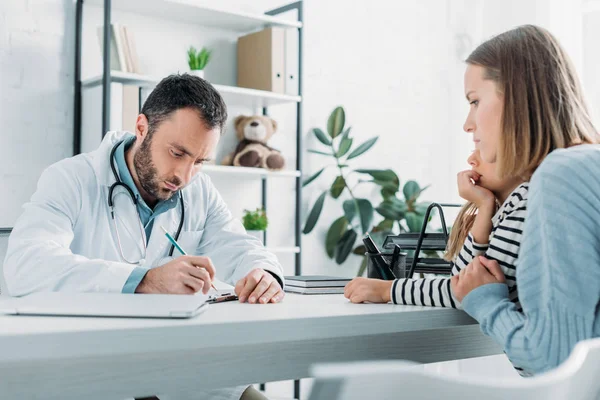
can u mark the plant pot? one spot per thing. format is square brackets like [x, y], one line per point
[198, 73]
[257, 234]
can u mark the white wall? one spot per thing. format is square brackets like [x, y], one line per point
[36, 92]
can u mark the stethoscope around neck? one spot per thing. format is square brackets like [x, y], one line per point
[134, 200]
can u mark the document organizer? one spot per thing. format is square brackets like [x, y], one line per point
[435, 241]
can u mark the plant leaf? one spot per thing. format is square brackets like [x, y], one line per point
[313, 177]
[338, 187]
[391, 187]
[414, 221]
[360, 250]
[345, 145]
[335, 232]
[385, 225]
[363, 148]
[386, 178]
[344, 246]
[313, 217]
[366, 214]
[386, 175]
[421, 209]
[336, 121]
[412, 191]
[411, 188]
[322, 136]
[392, 208]
[320, 152]
[387, 193]
[350, 209]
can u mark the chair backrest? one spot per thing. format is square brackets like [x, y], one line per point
[576, 378]
[4, 234]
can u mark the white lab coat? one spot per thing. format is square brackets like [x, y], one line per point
[65, 239]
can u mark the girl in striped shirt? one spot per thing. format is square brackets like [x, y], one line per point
[490, 224]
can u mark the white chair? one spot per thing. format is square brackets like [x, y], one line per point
[4, 234]
[575, 379]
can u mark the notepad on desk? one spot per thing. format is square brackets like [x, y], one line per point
[224, 292]
[315, 284]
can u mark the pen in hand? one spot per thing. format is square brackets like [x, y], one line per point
[178, 247]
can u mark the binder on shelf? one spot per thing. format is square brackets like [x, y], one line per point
[292, 38]
[261, 60]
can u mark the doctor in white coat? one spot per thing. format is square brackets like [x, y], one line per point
[70, 239]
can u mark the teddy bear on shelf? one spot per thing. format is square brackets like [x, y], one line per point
[252, 151]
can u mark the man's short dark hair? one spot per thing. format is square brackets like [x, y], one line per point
[185, 91]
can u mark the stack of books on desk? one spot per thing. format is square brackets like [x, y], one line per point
[315, 284]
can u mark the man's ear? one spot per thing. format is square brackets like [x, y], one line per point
[141, 127]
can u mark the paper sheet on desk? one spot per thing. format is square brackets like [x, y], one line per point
[223, 289]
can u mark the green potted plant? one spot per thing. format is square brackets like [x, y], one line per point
[197, 60]
[400, 213]
[255, 222]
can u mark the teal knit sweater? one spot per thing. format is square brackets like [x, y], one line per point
[558, 266]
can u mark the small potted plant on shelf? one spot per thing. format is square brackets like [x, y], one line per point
[255, 222]
[197, 60]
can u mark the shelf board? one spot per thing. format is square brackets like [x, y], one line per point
[232, 95]
[245, 171]
[284, 249]
[185, 11]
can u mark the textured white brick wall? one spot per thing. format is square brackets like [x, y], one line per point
[36, 95]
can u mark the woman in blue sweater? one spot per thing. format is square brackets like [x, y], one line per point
[527, 114]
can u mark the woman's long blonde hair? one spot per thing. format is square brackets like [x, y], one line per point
[460, 230]
[544, 108]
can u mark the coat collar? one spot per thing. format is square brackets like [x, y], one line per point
[100, 157]
[101, 163]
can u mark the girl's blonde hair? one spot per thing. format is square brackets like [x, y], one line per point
[544, 108]
[460, 230]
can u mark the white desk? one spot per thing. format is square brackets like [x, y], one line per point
[230, 344]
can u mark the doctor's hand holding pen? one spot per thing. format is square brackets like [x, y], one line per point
[183, 275]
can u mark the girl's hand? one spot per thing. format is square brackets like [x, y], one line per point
[480, 272]
[472, 192]
[360, 290]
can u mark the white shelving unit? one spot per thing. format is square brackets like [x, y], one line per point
[187, 11]
[235, 96]
[280, 250]
[254, 172]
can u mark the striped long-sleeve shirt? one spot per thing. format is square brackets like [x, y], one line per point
[505, 239]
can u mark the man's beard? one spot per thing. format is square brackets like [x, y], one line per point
[147, 174]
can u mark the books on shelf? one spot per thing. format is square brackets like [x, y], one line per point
[315, 284]
[123, 52]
